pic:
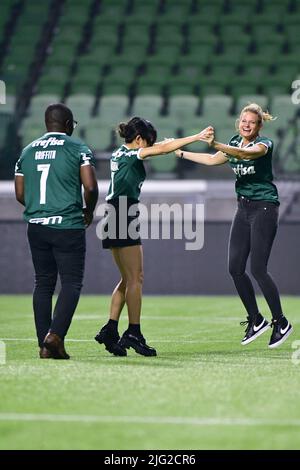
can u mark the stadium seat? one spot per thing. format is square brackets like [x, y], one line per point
[167, 53]
[177, 8]
[138, 8]
[246, 99]
[10, 103]
[164, 166]
[200, 57]
[148, 107]
[216, 107]
[275, 86]
[156, 75]
[81, 106]
[5, 120]
[226, 130]
[150, 86]
[32, 130]
[243, 85]
[86, 85]
[231, 30]
[39, 104]
[114, 88]
[125, 72]
[284, 109]
[257, 72]
[180, 88]
[185, 79]
[213, 85]
[113, 109]
[132, 55]
[98, 136]
[182, 108]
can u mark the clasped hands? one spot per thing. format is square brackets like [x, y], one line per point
[207, 135]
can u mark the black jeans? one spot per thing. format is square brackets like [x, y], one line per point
[252, 233]
[56, 251]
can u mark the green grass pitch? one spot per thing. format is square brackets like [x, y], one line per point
[203, 391]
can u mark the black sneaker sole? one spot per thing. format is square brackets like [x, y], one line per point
[113, 348]
[282, 340]
[257, 335]
[139, 349]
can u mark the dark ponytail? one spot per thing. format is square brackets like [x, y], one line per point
[137, 126]
[122, 129]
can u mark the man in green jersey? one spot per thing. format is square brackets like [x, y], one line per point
[255, 223]
[49, 177]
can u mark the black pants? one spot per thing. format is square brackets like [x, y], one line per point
[56, 251]
[252, 233]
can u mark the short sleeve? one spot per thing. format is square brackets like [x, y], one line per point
[234, 141]
[86, 156]
[265, 141]
[133, 155]
[18, 167]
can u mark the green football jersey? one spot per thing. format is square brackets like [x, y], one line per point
[51, 168]
[127, 173]
[254, 178]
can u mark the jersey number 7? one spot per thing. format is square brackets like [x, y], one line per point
[45, 172]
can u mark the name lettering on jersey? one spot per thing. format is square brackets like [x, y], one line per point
[114, 166]
[55, 219]
[241, 170]
[45, 155]
[46, 143]
[120, 152]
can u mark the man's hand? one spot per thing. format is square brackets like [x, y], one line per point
[88, 217]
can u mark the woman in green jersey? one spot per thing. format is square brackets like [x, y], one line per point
[255, 223]
[127, 177]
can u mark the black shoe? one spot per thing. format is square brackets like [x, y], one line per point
[138, 343]
[110, 338]
[281, 331]
[254, 329]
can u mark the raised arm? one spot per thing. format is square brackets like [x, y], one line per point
[251, 153]
[219, 158]
[171, 145]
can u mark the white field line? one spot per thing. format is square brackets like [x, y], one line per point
[158, 420]
[206, 320]
[162, 317]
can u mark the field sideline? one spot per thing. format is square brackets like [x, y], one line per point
[203, 391]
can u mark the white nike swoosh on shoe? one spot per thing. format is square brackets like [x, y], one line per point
[256, 328]
[284, 330]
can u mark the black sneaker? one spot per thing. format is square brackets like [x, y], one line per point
[110, 339]
[281, 331]
[138, 343]
[254, 328]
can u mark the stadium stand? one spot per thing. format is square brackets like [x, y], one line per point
[181, 63]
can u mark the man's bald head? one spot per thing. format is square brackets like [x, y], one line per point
[59, 118]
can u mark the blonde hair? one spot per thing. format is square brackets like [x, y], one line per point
[263, 116]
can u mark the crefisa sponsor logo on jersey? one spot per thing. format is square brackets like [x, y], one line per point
[48, 142]
[241, 170]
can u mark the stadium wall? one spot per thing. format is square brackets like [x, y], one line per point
[169, 268]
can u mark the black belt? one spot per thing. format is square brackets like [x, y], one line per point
[256, 202]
